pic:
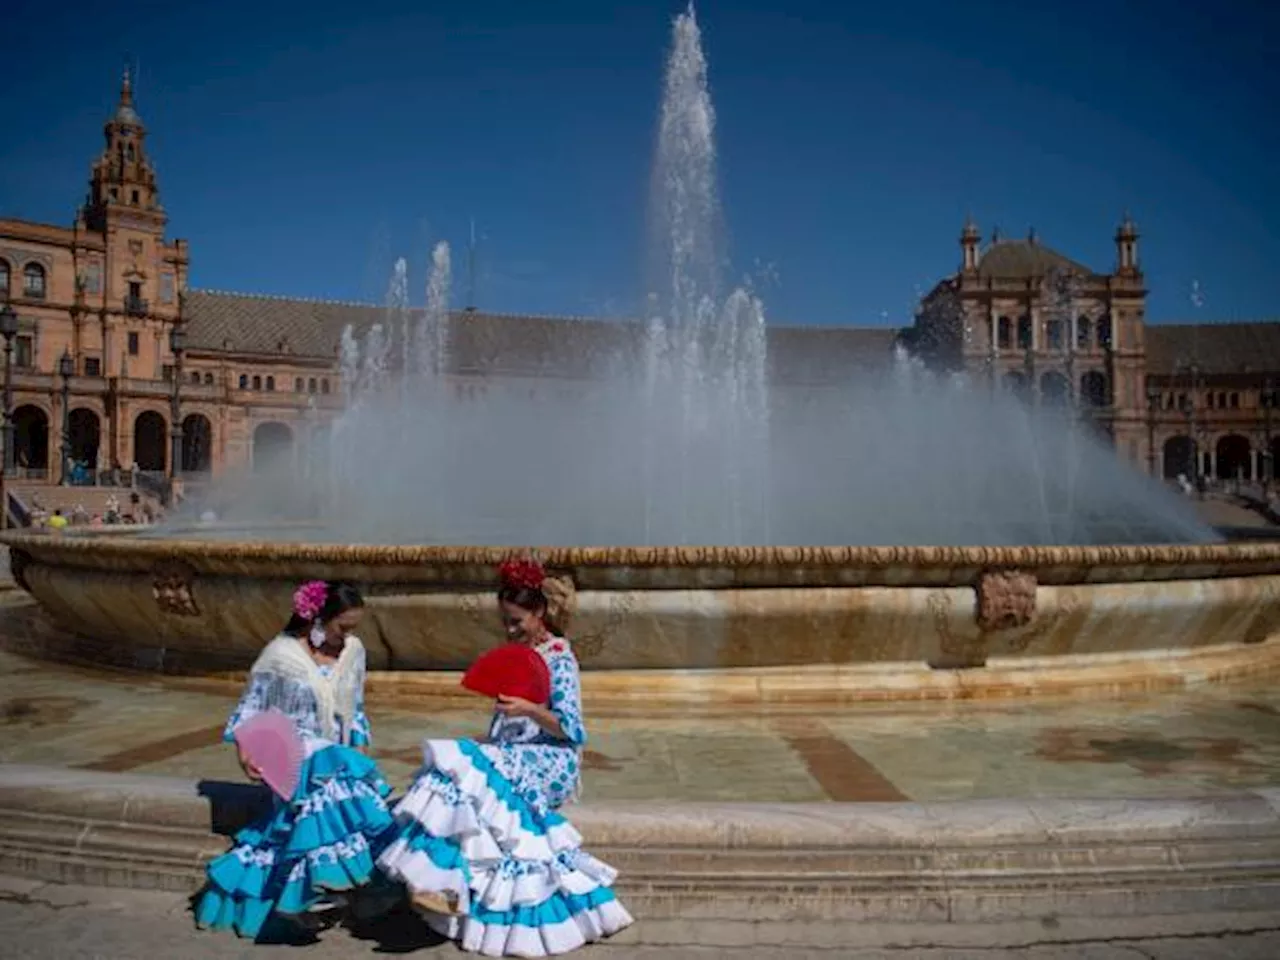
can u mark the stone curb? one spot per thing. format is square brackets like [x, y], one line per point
[687, 869]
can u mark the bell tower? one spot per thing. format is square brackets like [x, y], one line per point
[123, 181]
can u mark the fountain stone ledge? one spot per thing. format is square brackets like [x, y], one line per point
[744, 874]
[757, 618]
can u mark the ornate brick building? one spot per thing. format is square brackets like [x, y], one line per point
[1179, 399]
[257, 377]
[99, 300]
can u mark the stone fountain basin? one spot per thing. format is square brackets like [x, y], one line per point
[208, 604]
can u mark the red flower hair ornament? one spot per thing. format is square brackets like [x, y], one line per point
[524, 573]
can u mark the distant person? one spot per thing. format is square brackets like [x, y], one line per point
[307, 853]
[57, 522]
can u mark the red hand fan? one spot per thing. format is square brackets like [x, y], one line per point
[270, 742]
[510, 670]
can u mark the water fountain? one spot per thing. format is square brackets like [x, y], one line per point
[789, 540]
[684, 458]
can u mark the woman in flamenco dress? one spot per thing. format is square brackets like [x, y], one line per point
[307, 856]
[487, 858]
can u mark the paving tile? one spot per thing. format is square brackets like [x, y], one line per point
[1202, 741]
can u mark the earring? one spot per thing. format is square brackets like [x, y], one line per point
[317, 636]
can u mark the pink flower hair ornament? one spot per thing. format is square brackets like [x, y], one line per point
[308, 599]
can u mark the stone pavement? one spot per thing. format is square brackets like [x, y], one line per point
[1207, 740]
[79, 923]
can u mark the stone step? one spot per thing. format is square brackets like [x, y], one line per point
[93, 499]
[798, 870]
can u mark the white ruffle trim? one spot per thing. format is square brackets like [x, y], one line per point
[441, 818]
[490, 886]
[419, 872]
[493, 940]
[489, 833]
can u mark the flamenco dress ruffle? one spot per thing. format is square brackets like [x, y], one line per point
[523, 885]
[324, 841]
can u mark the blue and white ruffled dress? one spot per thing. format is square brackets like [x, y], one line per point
[323, 842]
[481, 825]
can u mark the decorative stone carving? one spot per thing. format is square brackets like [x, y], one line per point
[1006, 599]
[875, 564]
[19, 257]
[171, 586]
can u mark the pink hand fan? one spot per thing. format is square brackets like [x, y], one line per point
[270, 742]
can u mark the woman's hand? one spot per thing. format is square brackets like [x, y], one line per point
[518, 707]
[250, 771]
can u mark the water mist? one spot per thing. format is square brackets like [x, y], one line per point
[686, 440]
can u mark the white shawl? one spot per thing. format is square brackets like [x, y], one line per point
[336, 694]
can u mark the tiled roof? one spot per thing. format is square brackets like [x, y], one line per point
[501, 343]
[483, 343]
[258, 324]
[1024, 259]
[1213, 347]
[826, 354]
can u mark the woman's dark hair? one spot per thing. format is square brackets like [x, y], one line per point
[553, 602]
[526, 598]
[339, 597]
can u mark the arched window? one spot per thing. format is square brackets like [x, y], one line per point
[297, 385]
[324, 385]
[311, 385]
[1004, 333]
[1095, 391]
[195, 377]
[1084, 333]
[33, 285]
[4, 276]
[1235, 401]
[208, 379]
[257, 383]
[1015, 381]
[1104, 331]
[1053, 334]
[1024, 333]
[271, 383]
[244, 381]
[1055, 389]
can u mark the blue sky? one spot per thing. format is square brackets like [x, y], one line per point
[301, 147]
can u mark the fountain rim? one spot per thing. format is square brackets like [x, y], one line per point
[1059, 562]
